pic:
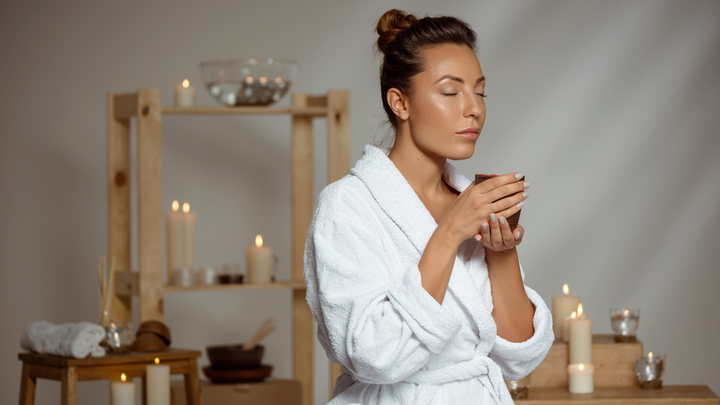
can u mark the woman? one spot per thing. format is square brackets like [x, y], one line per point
[412, 272]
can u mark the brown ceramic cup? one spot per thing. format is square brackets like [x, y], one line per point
[512, 219]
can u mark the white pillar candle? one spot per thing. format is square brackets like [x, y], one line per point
[122, 392]
[158, 383]
[180, 238]
[580, 335]
[581, 378]
[562, 307]
[566, 326]
[184, 94]
[259, 262]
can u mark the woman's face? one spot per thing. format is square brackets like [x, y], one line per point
[447, 109]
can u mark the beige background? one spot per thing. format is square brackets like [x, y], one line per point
[610, 108]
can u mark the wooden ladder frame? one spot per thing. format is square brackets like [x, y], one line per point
[145, 106]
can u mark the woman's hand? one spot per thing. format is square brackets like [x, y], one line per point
[487, 203]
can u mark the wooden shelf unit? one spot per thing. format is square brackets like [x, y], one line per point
[145, 106]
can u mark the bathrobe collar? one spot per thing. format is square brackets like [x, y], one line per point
[395, 196]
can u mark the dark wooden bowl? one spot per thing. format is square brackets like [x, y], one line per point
[157, 328]
[513, 219]
[230, 357]
[231, 278]
[148, 342]
[237, 376]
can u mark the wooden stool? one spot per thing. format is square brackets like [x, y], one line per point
[69, 371]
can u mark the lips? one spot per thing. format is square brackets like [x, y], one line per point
[470, 133]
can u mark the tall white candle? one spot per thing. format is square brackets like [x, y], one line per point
[259, 262]
[580, 334]
[158, 383]
[184, 94]
[562, 307]
[122, 392]
[180, 238]
[566, 326]
[581, 378]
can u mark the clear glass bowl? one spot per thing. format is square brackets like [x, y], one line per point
[249, 81]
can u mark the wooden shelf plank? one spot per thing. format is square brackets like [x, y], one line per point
[279, 285]
[668, 395]
[304, 111]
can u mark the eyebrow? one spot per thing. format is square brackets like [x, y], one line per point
[459, 80]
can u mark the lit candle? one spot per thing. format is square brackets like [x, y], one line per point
[562, 307]
[259, 262]
[158, 383]
[581, 378]
[180, 228]
[122, 392]
[566, 326]
[580, 338]
[184, 94]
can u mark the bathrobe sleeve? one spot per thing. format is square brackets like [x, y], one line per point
[373, 317]
[516, 360]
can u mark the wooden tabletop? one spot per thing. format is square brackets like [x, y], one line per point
[668, 395]
[126, 358]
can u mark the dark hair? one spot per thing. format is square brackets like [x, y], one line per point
[402, 39]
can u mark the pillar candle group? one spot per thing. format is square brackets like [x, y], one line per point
[571, 325]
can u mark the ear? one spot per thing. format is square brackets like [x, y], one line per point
[398, 102]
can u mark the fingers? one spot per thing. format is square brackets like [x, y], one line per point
[495, 233]
[508, 240]
[499, 181]
[510, 205]
[518, 234]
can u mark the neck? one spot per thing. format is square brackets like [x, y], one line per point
[421, 168]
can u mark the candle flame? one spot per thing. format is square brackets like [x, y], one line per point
[580, 310]
[650, 355]
[249, 79]
[278, 80]
[157, 361]
[186, 83]
[582, 367]
[112, 324]
[626, 312]
[175, 206]
[263, 79]
[566, 290]
[258, 241]
[122, 377]
[186, 208]
[573, 315]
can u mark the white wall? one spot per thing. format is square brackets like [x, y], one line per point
[610, 109]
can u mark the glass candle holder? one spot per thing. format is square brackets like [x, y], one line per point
[625, 323]
[118, 338]
[650, 370]
[519, 388]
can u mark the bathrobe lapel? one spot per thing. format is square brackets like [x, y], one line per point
[400, 202]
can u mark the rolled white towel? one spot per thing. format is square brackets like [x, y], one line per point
[68, 339]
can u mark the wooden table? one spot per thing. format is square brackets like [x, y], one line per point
[69, 371]
[668, 395]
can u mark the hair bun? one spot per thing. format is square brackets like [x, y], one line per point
[390, 24]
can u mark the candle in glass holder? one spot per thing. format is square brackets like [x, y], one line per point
[519, 388]
[122, 392]
[650, 370]
[259, 262]
[625, 323]
[184, 94]
[581, 378]
[562, 307]
[580, 339]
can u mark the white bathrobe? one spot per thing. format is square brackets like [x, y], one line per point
[395, 343]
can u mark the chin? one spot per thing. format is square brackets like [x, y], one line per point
[461, 152]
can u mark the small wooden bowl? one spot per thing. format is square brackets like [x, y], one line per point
[148, 342]
[233, 357]
[239, 375]
[513, 219]
[157, 328]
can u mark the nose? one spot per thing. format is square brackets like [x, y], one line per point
[473, 108]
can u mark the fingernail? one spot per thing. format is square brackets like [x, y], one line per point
[492, 217]
[484, 227]
[526, 184]
[520, 204]
[525, 194]
[519, 176]
[477, 238]
[518, 235]
[502, 221]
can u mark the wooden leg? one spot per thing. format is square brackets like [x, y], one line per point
[27, 386]
[143, 382]
[192, 384]
[68, 383]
